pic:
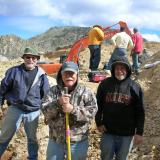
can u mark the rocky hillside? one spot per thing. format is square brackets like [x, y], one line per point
[52, 40]
[12, 46]
[149, 80]
[55, 38]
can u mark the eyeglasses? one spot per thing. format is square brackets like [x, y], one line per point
[30, 57]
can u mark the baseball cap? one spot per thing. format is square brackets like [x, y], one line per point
[69, 66]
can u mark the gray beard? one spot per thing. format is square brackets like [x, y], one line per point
[120, 78]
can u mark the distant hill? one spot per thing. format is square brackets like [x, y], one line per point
[12, 46]
[55, 38]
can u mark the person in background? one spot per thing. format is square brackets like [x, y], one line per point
[120, 116]
[81, 105]
[23, 87]
[144, 56]
[96, 36]
[137, 50]
[122, 41]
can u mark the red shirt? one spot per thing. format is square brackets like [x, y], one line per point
[138, 42]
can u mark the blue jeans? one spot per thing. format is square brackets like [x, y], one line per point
[95, 56]
[135, 61]
[57, 152]
[118, 52]
[11, 123]
[118, 146]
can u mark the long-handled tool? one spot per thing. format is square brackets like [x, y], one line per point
[67, 130]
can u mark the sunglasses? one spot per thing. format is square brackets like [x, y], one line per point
[30, 57]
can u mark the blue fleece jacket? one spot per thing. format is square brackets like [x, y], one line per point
[14, 89]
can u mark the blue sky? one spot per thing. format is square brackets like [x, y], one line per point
[28, 18]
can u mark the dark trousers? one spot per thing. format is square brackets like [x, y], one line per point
[95, 56]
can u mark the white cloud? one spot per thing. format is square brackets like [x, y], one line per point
[140, 14]
[84, 12]
[27, 8]
[152, 37]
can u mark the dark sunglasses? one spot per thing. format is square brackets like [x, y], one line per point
[30, 57]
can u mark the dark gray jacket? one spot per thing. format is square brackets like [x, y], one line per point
[120, 104]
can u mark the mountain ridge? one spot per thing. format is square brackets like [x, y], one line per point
[12, 46]
[55, 38]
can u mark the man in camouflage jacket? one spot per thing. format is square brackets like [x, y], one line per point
[81, 105]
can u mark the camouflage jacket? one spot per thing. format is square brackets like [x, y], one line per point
[85, 108]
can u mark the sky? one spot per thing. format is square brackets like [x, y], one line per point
[28, 18]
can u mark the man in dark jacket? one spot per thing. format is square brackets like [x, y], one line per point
[23, 87]
[120, 115]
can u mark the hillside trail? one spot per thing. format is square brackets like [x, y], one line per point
[149, 79]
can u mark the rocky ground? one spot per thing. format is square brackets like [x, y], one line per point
[150, 82]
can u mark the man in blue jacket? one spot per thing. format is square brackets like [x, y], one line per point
[23, 87]
[120, 115]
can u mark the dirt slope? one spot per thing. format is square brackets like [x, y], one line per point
[150, 82]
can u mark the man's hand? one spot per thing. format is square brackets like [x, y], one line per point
[137, 139]
[102, 129]
[64, 100]
[67, 108]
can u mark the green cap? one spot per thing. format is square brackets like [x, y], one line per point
[31, 51]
